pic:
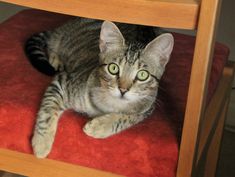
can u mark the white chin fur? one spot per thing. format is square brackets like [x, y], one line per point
[127, 97]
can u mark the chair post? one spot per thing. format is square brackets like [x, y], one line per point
[214, 147]
[201, 67]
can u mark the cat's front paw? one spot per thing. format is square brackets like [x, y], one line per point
[99, 128]
[42, 144]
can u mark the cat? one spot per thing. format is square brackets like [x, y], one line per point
[109, 75]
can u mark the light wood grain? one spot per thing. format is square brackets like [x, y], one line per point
[164, 13]
[28, 165]
[201, 68]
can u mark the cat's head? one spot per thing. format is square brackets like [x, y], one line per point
[132, 71]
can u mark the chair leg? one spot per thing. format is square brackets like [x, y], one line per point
[195, 108]
[214, 147]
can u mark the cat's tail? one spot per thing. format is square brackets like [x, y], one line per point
[37, 53]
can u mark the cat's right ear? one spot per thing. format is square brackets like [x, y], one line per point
[110, 37]
[161, 45]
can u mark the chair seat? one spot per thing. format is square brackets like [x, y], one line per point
[147, 149]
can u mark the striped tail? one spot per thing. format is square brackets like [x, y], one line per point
[36, 51]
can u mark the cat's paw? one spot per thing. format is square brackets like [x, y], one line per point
[42, 144]
[99, 128]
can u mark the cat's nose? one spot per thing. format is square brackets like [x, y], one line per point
[123, 90]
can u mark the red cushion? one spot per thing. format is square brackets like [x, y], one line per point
[175, 81]
[147, 149]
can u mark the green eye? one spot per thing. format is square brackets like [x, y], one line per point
[113, 68]
[142, 75]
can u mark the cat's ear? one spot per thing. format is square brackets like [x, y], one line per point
[110, 37]
[163, 46]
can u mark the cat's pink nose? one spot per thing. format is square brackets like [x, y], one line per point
[123, 90]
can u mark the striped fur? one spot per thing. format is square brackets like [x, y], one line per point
[109, 74]
[36, 50]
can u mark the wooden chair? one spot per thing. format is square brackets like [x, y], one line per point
[203, 126]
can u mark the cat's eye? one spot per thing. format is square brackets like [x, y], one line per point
[142, 75]
[113, 68]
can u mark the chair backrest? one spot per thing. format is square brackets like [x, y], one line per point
[164, 13]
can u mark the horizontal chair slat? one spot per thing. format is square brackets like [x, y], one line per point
[164, 13]
[28, 165]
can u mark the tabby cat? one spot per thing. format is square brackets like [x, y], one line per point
[110, 76]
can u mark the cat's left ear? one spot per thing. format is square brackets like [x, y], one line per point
[163, 46]
[110, 37]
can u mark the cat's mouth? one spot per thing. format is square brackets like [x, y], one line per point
[123, 97]
[120, 96]
[127, 96]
